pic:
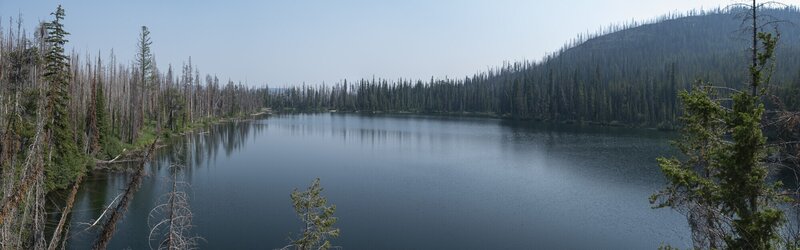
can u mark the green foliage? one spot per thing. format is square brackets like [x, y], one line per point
[722, 182]
[693, 188]
[110, 144]
[175, 108]
[317, 215]
[744, 191]
[30, 106]
[144, 57]
[147, 135]
[65, 162]
[667, 247]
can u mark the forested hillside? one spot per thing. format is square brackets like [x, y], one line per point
[628, 74]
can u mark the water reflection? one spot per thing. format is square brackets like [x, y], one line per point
[100, 189]
[409, 182]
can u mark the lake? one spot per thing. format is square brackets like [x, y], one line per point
[406, 182]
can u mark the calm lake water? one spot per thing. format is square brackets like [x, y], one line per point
[407, 182]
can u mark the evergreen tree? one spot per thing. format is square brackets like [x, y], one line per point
[692, 189]
[317, 216]
[65, 163]
[744, 190]
[109, 143]
[144, 60]
[721, 184]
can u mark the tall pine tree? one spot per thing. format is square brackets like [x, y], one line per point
[109, 142]
[64, 162]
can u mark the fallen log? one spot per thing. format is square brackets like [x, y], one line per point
[110, 226]
[67, 208]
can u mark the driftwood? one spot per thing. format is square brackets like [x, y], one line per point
[110, 226]
[120, 161]
[66, 212]
[129, 160]
[104, 212]
[112, 160]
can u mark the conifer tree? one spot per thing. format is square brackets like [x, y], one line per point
[317, 216]
[744, 190]
[144, 60]
[109, 143]
[721, 184]
[692, 189]
[65, 163]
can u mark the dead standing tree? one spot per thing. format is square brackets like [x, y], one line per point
[173, 228]
[13, 220]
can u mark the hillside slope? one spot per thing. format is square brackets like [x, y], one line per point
[630, 76]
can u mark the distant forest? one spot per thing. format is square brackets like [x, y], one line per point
[625, 75]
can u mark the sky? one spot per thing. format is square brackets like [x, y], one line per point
[290, 42]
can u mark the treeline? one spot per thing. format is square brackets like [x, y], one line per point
[61, 113]
[629, 75]
[105, 98]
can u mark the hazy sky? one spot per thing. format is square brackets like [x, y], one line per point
[293, 41]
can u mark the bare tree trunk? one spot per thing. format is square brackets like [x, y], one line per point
[64, 214]
[108, 229]
[33, 168]
[755, 47]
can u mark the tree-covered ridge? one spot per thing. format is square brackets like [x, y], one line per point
[629, 75]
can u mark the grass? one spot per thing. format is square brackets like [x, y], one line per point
[147, 135]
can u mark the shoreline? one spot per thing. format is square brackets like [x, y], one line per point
[506, 117]
[134, 153]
